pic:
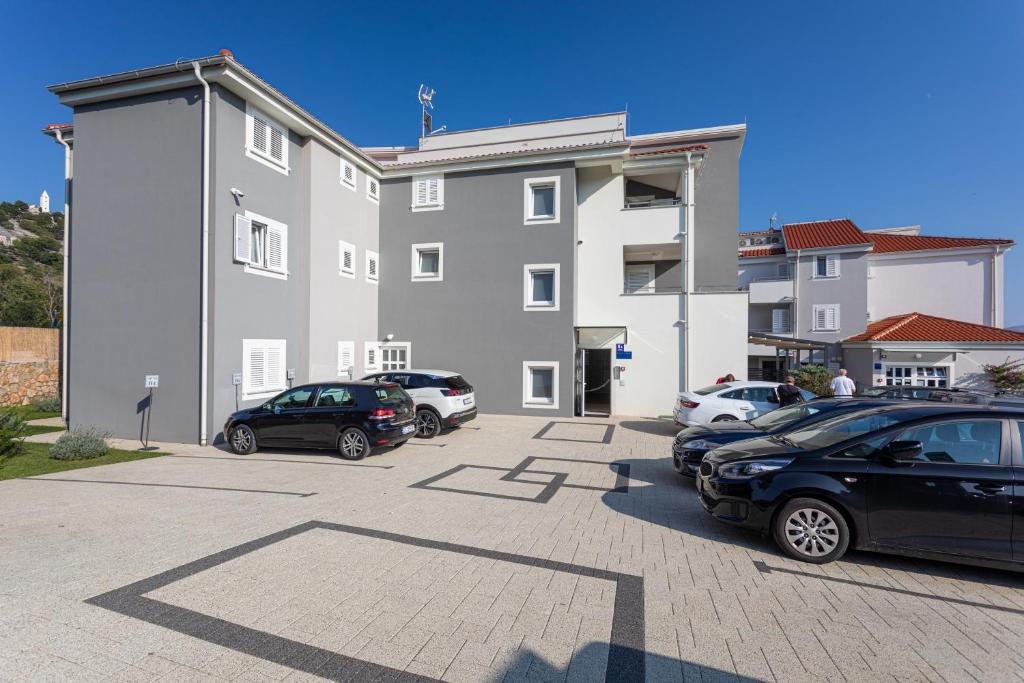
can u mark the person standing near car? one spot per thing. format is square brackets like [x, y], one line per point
[843, 386]
[789, 393]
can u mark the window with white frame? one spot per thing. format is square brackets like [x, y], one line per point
[261, 244]
[371, 356]
[780, 320]
[428, 262]
[372, 189]
[541, 287]
[266, 140]
[263, 368]
[348, 174]
[372, 267]
[346, 359]
[540, 200]
[783, 270]
[826, 265]
[346, 259]
[395, 356]
[917, 375]
[540, 384]
[428, 193]
[639, 278]
[825, 317]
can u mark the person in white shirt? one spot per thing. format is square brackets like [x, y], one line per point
[843, 385]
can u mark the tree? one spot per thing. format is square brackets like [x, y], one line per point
[815, 379]
[1007, 376]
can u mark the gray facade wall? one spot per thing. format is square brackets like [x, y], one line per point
[134, 280]
[849, 290]
[473, 322]
[341, 308]
[716, 215]
[245, 305]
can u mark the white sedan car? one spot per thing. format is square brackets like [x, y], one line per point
[728, 401]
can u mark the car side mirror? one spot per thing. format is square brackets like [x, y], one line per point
[265, 406]
[902, 451]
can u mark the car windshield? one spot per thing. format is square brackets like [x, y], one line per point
[840, 428]
[712, 389]
[777, 419]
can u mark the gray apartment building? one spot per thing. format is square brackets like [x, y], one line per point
[225, 244]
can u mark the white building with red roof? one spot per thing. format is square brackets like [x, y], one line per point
[914, 349]
[822, 282]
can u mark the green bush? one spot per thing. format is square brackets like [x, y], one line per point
[47, 404]
[815, 379]
[81, 443]
[12, 433]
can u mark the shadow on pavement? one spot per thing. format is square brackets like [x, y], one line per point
[661, 426]
[591, 664]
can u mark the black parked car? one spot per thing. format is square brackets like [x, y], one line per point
[921, 479]
[352, 417]
[950, 395]
[693, 443]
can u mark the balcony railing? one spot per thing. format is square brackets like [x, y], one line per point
[771, 290]
[638, 203]
[785, 329]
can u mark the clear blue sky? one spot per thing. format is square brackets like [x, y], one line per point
[890, 113]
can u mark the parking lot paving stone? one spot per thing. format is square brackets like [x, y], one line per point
[718, 603]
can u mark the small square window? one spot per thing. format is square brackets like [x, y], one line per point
[428, 262]
[428, 193]
[540, 200]
[346, 260]
[540, 384]
[826, 266]
[372, 189]
[372, 267]
[541, 287]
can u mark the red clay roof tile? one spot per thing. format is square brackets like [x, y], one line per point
[821, 234]
[762, 251]
[885, 244]
[918, 327]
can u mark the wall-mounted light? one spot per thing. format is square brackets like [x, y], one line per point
[237, 193]
[389, 337]
[917, 356]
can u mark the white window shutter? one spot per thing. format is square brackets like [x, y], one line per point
[260, 134]
[820, 318]
[277, 144]
[780, 320]
[346, 357]
[277, 248]
[372, 266]
[420, 192]
[639, 279]
[346, 258]
[256, 372]
[832, 265]
[833, 317]
[348, 174]
[275, 367]
[243, 239]
[372, 358]
[433, 190]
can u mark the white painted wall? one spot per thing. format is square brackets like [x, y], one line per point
[718, 337]
[652, 378]
[948, 285]
[759, 268]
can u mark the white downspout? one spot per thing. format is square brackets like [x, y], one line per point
[688, 279]
[203, 324]
[993, 321]
[64, 291]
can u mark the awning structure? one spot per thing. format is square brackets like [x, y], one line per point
[598, 337]
[788, 343]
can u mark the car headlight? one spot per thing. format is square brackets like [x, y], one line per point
[752, 468]
[702, 443]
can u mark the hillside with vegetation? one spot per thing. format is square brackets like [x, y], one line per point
[31, 266]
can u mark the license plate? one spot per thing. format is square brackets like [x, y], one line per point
[408, 429]
[466, 401]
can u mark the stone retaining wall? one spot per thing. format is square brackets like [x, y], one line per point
[23, 383]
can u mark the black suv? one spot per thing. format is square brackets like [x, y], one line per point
[352, 417]
[916, 478]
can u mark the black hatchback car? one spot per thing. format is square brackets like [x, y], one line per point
[351, 417]
[921, 479]
[693, 443]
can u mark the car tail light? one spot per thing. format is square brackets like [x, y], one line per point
[453, 392]
[382, 413]
[683, 403]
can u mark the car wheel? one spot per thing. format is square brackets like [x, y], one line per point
[725, 418]
[812, 531]
[677, 462]
[353, 445]
[428, 424]
[243, 440]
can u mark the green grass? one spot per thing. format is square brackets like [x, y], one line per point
[35, 459]
[32, 413]
[32, 430]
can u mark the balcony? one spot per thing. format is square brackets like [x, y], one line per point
[652, 269]
[771, 290]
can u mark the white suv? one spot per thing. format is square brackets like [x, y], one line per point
[443, 399]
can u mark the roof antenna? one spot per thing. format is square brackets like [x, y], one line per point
[773, 220]
[426, 98]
